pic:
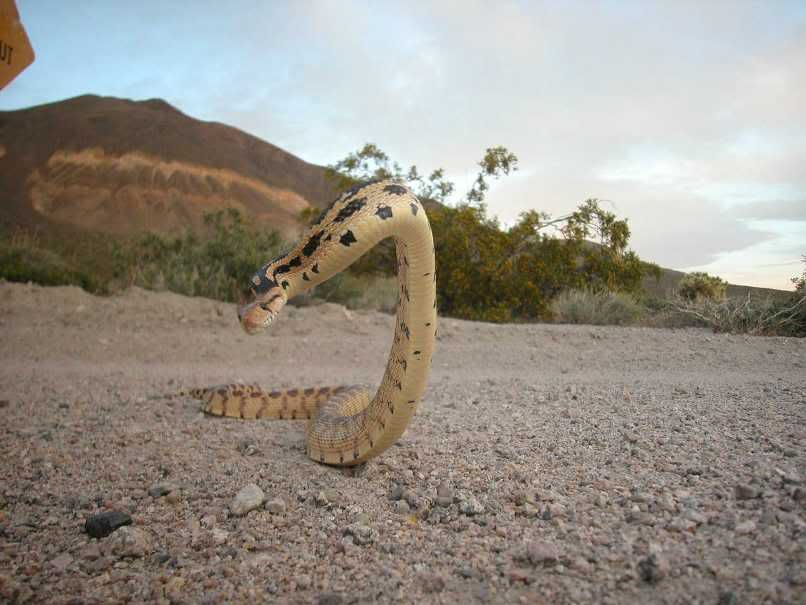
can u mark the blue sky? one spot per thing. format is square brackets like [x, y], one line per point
[687, 116]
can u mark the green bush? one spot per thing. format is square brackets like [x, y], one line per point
[24, 259]
[597, 308]
[217, 266]
[701, 286]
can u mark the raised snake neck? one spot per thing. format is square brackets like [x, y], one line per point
[345, 426]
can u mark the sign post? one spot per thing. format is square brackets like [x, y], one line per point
[15, 49]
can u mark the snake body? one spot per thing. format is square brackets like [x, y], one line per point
[347, 425]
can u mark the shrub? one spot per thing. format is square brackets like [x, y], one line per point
[217, 266]
[598, 308]
[24, 259]
[701, 286]
[768, 317]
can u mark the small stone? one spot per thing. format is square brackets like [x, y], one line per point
[401, 507]
[91, 552]
[161, 489]
[540, 553]
[361, 534]
[397, 492]
[173, 497]
[130, 542]
[330, 598]
[321, 499]
[103, 524]
[696, 517]
[747, 527]
[471, 507]
[582, 565]
[744, 491]
[520, 575]
[248, 448]
[302, 581]
[249, 498]
[445, 492]
[653, 568]
[727, 597]
[276, 506]
[220, 536]
[431, 582]
[61, 562]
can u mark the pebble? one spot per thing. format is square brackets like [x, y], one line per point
[220, 536]
[161, 489]
[276, 506]
[471, 506]
[537, 553]
[61, 562]
[744, 491]
[396, 492]
[249, 498]
[130, 542]
[103, 524]
[330, 598]
[653, 568]
[361, 534]
[444, 494]
[401, 507]
[431, 582]
[747, 527]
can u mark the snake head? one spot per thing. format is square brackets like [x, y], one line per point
[262, 304]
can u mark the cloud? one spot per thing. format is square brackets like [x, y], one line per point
[786, 210]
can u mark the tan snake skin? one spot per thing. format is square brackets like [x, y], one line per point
[347, 425]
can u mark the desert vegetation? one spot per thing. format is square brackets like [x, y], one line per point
[576, 268]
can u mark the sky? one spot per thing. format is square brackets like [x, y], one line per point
[687, 118]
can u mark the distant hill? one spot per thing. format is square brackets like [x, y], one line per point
[121, 167]
[669, 280]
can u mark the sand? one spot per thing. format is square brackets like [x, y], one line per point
[548, 463]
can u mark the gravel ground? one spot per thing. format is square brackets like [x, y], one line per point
[548, 463]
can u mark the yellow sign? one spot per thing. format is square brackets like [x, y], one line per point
[15, 50]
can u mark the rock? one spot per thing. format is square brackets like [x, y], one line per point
[747, 527]
[401, 507]
[276, 506]
[470, 506]
[744, 491]
[397, 492]
[361, 534]
[130, 542]
[727, 597]
[330, 598]
[539, 553]
[103, 524]
[61, 562]
[431, 582]
[653, 568]
[220, 536]
[248, 448]
[161, 489]
[91, 552]
[249, 498]
[444, 494]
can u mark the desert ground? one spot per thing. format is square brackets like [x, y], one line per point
[547, 464]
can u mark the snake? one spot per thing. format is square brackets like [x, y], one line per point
[347, 425]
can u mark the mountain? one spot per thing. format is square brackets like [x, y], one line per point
[121, 167]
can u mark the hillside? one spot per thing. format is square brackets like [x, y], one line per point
[121, 166]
